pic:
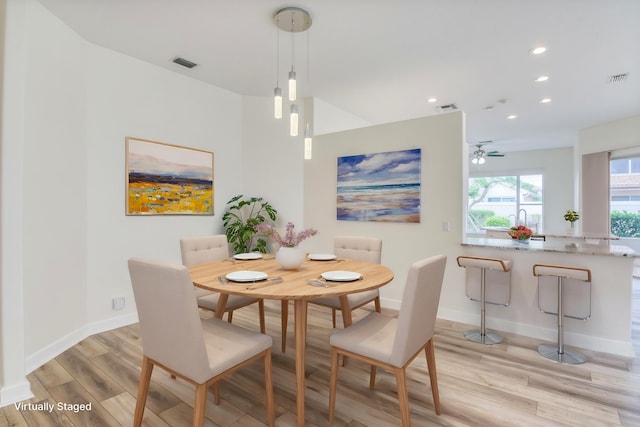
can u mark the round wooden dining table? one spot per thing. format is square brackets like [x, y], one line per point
[299, 285]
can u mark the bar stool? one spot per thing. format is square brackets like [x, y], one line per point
[498, 292]
[563, 274]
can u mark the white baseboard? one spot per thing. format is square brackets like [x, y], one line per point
[15, 393]
[59, 346]
[604, 345]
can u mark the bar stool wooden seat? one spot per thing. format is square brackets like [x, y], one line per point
[494, 287]
[580, 278]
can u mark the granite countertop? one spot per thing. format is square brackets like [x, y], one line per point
[552, 246]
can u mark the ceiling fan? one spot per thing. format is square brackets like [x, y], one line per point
[478, 156]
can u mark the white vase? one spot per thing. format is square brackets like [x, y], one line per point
[290, 258]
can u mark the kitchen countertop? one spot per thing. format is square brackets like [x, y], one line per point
[559, 246]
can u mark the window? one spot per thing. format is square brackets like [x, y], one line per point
[625, 166]
[624, 205]
[503, 201]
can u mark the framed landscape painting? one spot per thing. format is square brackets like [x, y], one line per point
[165, 179]
[383, 187]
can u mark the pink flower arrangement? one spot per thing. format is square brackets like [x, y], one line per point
[520, 232]
[291, 239]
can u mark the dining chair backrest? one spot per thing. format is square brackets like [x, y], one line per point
[419, 307]
[368, 249]
[170, 326]
[198, 250]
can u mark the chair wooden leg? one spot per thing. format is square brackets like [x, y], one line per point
[433, 376]
[372, 377]
[143, 390]
[261, 315]
[230, 316]
[403, 396]
[333, 383]
[284, 318]
[216, 393]
[199, 406]
[333, 317]
[268, 388]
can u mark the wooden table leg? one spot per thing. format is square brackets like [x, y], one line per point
[284, 318]
[300, 309]
[346, 311]
[221, 305]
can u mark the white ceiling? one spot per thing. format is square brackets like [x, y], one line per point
[382, 59]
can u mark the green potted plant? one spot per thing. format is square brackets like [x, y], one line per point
[240, 220]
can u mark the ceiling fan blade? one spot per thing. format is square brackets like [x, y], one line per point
[495, 154]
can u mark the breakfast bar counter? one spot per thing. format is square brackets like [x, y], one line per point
[609, 328]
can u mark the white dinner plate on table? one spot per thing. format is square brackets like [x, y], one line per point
[321, 257]
[246, 276]
[248, 255]
[341, 276]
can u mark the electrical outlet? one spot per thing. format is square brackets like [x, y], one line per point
[118, 303]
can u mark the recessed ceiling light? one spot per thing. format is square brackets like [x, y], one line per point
[545, 100]
[512, 116]
[431, 100]
[538, 50]
[542, 79]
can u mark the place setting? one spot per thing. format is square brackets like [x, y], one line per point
[334, 277]
[248, 276]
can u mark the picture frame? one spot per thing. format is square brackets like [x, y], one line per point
[167, 179]
[379, 187]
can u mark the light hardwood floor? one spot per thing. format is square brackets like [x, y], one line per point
[507, 384]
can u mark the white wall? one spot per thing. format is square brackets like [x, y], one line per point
[156, 104]
[556, 166]
[54, 173]
[73, 238]
[441, 140]
[13, 383]
[272, 161]
[615, 135]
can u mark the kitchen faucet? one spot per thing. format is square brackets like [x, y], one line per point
[525, 216]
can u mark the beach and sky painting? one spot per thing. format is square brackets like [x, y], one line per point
[164, 179]
[379, 187]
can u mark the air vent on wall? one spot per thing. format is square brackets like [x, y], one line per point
[184, 62]
[618, 78]
[447, 107]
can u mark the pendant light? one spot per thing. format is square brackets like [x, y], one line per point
[277, 92]
[293, 20]
[293, 120]
[308, 141]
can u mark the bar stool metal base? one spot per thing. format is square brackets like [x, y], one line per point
[488, 338]
[569, 357]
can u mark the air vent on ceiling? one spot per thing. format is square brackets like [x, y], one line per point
[447, 107]
[184, 62]
[618, 78]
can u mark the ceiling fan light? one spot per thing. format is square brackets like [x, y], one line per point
[474, 160]
[481, 160]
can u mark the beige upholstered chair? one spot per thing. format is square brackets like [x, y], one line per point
[362, 249]
[175, 339]
[358, 248]
[391, 343]
[198, 250]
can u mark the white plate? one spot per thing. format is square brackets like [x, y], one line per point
[341, 276]
[321, 257]
[248, 255]
[246, 276]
